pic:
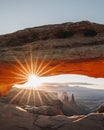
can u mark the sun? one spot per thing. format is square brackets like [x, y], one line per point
[34, 81]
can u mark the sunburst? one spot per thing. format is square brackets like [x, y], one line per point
[33, 81]
[30, 75]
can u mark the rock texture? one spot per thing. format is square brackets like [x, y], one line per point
[16, 118]
[73, 48]
[44, 110]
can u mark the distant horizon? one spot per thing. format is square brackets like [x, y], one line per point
[79, 80]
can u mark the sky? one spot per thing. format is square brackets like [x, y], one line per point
[94, 83]
[19, 14]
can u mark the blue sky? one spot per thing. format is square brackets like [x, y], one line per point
[20, 14]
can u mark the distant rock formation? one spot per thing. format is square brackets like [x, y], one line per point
[65, 97]
[72, 100]
[71, 107]
[100, 109]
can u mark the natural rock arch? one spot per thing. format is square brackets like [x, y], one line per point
[73, 55]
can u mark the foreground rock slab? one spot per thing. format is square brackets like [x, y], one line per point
[16, 118]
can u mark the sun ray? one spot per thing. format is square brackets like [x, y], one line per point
[40, 66]
[28, 98]
[20, 63]
[40, 99]
[36, 63]
[19, 82]
[49, 70]
[37, 60]
[23, 95]
[27, 64]
[19, 74]
[31, 61]
[46, 96]
[33, 91]
[16, 96]
[21, 70]
[44, 67]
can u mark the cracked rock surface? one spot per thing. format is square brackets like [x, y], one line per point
[16, 118]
